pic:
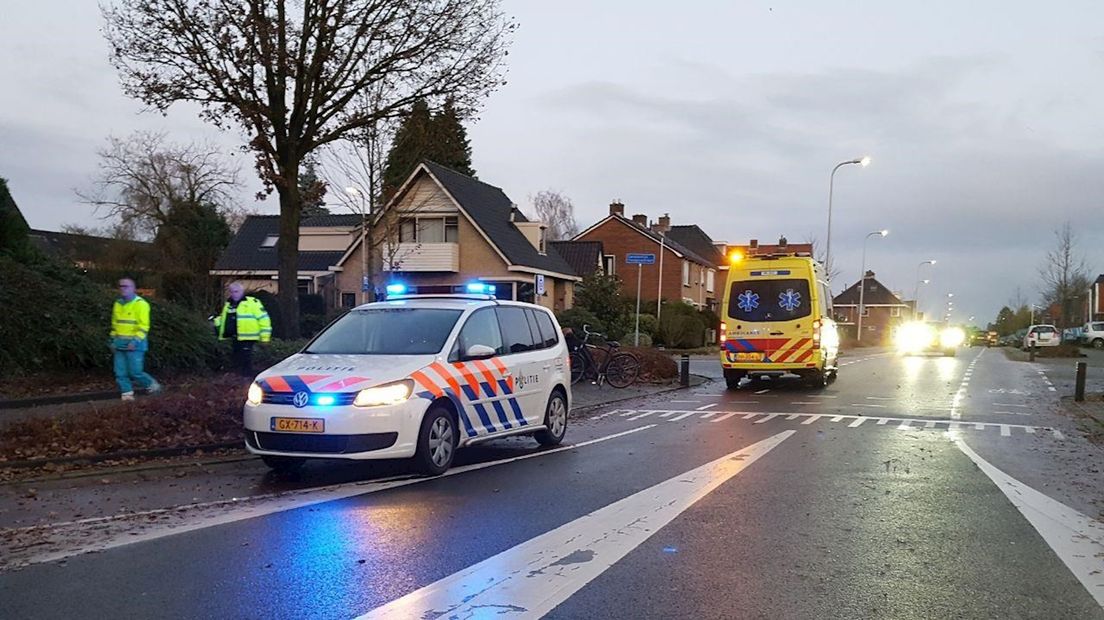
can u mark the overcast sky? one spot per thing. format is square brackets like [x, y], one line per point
[984, 121]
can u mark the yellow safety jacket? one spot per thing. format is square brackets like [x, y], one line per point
[130, 319]
[253, 321]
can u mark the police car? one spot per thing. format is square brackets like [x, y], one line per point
[415, 376]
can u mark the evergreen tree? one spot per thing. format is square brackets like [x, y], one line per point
[312, 190]
[13, 227]
[439, 137]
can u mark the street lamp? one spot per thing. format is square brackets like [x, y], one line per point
[862, 279]
[356, 192]
[864, 162]
[916, 291]
[1033, 306]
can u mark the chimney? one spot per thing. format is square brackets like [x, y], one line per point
[782, 243]
[663, 226]
[513, 212]
[617, 208]
[753, 247]
[640, 220]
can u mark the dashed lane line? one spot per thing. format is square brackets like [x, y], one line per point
[723, 417]
[763, 391]
[704, 407]
[681, 417]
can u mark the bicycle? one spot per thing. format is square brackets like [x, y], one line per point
[620, 368]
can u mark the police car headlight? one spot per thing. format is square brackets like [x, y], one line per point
[255, 394]
[390, 394]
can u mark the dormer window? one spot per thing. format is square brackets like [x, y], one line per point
[270, 241]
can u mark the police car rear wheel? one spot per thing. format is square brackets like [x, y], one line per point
[436, 442]
[555, 420]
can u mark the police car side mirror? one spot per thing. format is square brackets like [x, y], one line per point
[479, 352]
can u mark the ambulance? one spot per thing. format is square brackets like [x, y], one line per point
[414, 377]
[776, 319]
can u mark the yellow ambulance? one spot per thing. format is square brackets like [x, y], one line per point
[776, 319]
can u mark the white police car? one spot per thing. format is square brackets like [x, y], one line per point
[414, 376]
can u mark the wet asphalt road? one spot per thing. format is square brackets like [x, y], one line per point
[862, 506]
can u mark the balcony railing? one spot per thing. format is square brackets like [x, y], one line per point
[422, 257]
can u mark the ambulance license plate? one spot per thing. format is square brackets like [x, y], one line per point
[298, 425]
[749, 357]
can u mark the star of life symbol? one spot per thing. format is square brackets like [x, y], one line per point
[789, 300]
[300, 399]
[748, 301]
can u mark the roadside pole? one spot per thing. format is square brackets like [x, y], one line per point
[639, 260]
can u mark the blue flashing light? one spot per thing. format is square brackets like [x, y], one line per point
[325, 400]
[481, 288]
[396, 289]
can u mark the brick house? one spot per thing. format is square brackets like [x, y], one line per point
[1094, 310]
[686, 274]
[882, 310]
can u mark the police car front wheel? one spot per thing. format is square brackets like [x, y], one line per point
[555, 421]
[436, 441]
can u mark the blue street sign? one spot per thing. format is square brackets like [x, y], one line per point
[640, 259]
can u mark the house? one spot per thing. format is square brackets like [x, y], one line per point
[89, 252]
[323, 241]
[443, 230]
[1095, 302]
[585, 257]
[882, 310]
[678, 273]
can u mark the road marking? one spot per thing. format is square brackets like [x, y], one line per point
[805, 403]
[532, 578]
[1052, 389]
[837, 418]
[685, 401]
[1030, 430]
[1074, 537]
[704, 407]
[763, 391]
[904, 425]
[706, 416]
[724, 417]
[667, 414]
[870, 406]
[681, 417]
[880, 398]
[882, 421]
[745, 402]
[929, 424]
[792, 416]
[812, 419]
[1010, 405]
[241, 508]
[767, 419]
[857, 422]
[1005, 431]
[823, 396]
[643, 415]
[1057, 434]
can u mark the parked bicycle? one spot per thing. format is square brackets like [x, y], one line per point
[619, 368]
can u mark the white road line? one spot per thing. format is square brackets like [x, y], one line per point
[767, 419]
[979, 426]
[763, 391]
[1005, 431]
[685, 401]
[1030, 430]
[805, 403]
[241, 508]
[882, 421]
[722, 418]
[837, 418]
[857, 422]
[1074, 537]
[793, 416]
[748, 416]
[904, 425]
[667, 414]
[1052, 389]
[824, 396]
[870, 406]
[812, 419]
[929, 424]
[745, 402]
[704, 407]
[532, 578]
[880, 398]
[1009, 405]
[1057, 433]
[706, 416]
[681, 417]
[643, 415]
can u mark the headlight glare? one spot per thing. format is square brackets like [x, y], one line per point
[255, 394]
[390, 394]
[952, 337]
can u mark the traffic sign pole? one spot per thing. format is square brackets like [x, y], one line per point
[636, 333]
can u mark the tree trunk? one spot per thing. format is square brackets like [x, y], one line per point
[287, 251]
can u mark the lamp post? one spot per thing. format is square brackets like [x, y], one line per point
[916, 291]
[1033, 306]
[862, 280]
[864, 162]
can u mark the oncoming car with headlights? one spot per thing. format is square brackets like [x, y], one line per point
[414, 377]
[916, 337]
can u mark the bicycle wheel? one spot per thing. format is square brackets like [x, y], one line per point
[578, 366]
[622, 369]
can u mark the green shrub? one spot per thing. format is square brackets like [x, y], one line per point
[578, 316]
[648, 324]
[629, 340]
[275, 352]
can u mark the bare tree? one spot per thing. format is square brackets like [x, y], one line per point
[1065, 278]
[289, 74]
[557, 212]
[819, 255]
[142, 176]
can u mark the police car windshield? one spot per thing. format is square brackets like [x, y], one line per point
[387, 331]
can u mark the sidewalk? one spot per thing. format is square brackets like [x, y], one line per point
[587, 395]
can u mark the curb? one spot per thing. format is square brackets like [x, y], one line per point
[674, 388]
[124, 454]
[61, 399]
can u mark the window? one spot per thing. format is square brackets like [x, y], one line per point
[609, 263]
[407, 228]
[824, 303]
[452, 230]
[270, 241]
[481, 328]
[686, 273]
[895, 311]
[515, 330]
[547, 328]
[387, 331]
[769, 300]
[348, 300]
[534, 329]
[709, 280]
[866, 311]
[429, 230]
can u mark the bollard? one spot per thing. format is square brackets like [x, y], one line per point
[1032, 353]
[684, 371]
[1079, 386]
